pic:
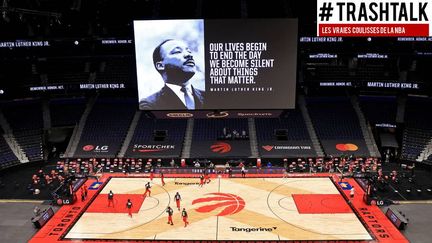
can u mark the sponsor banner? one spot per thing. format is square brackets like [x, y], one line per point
[154, 149]
[368, 18]
[286, 149]
[216, 114]
[220, 149]
[345, 147]
[86, 149]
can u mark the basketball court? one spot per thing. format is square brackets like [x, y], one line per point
[249, 209]
[311, 209]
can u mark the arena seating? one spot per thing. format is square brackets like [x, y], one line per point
[7, 157]
[66, 112]
[209, 140]
[379, 109]
[212, 129]
[107, 125]
[21, 70]
[418, 129]
[116, 70]
[293, 122]
[336, 125]
[146, 127]
[428, 160]
[25, 119]
[414, 141]
[334, 118]
[290, 130]
[65, 71]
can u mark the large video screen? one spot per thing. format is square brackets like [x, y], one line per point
[216, 64]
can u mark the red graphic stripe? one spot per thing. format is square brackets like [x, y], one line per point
[208, 199]
[232, 209]
[211, 207]
[149, 150]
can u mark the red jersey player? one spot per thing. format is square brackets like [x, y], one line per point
[177, 199]
[201, 180]
[151, 174]
[162, 178]
[129, 206]
[147, 186]
[110, 198]
[206, 177]
[170, 213]
[185, 217]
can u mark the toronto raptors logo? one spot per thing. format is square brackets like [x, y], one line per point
[226, 202]
[88, 148]
[221, 147]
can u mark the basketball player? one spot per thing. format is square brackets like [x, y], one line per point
[177, 199]
[151, 174]
[185, 217]
[110, 198]
[201, 180]
[162, 178]
[170, 213]
[352, 192]
[129, 206]
[243, 172]
[286, 173]
[82, 194]
[206, 177]
[147, 186]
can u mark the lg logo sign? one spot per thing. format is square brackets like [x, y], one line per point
[101, 148]
[97, 148]
[88, 148]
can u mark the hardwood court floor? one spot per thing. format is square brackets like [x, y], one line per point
[248, 209]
